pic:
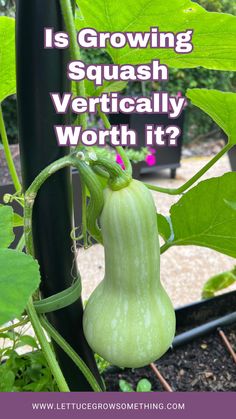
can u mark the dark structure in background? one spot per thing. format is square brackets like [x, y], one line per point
[232, 158]
[166, 157]
[40, 71]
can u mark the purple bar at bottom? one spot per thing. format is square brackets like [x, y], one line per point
[118, 405]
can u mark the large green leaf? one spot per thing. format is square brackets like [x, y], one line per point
[19, 278]
[219, 105]
[218, 283]
[7, 57]
[213, 39]
[206, 216]
[6, 226]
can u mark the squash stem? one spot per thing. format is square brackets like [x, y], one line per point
[118, 178]
[119, 149]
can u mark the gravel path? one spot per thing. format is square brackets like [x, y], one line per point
[183, 269]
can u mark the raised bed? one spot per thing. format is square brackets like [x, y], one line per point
[200, 359]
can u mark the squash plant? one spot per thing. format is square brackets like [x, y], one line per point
[129, 319]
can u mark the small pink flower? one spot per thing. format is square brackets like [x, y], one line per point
[120, 161]
[150, 160]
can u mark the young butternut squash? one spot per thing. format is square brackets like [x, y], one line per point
[129, 319]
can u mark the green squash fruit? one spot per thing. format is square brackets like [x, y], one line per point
[129, 319]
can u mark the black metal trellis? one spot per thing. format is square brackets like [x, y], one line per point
[40, 71]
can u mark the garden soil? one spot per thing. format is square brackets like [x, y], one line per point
[202, 365]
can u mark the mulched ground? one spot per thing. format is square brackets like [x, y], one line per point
[202, 365]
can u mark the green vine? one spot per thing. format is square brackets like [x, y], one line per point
[68, 16]
[119, 149]
[84, 214]
[14, 325]
[193, 179]
[71, 353]
[47, 350]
